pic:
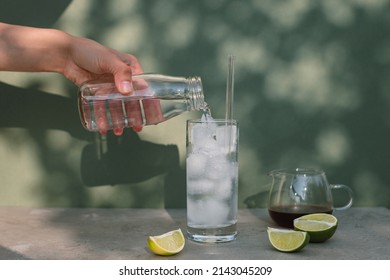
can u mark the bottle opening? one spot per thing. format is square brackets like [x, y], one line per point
[196, 93]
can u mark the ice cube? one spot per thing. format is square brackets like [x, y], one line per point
[195, 213]
[196, 163]
[200, 186]
[217, 167]
[223, 139]
[207, 146]
[207, 212]
[210, 139]
[200, 132]
[223, 189]
[198, 212]
[218, 212]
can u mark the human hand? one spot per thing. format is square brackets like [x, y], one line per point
[88, 60]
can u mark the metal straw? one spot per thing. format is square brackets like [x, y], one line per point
[230, 89]
[229, 103]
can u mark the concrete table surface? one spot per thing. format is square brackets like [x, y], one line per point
[121, 234]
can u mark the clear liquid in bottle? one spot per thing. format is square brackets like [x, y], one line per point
[155, 99]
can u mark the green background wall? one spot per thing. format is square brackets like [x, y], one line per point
[311, 89]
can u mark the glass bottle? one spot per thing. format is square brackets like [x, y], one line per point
[155, 99]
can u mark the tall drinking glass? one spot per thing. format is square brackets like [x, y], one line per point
[212, 180]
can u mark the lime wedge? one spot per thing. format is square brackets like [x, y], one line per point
[167, 244]
[287, 240]
[319, 226]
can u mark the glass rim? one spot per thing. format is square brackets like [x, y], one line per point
[229, 121]
[303, 171]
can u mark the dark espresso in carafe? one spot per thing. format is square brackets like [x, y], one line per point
[285, 216]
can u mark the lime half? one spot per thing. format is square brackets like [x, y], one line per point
[319, 226]
[167, 244]
[286, 240]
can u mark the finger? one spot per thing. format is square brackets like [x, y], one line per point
[153, 112]
[117, 117]
[137, 128]
[133, 62]
[85, 114]
[101, 116]
[118, 131]
[134, 114]
[122, 78]
[123, 74]
[140, 84]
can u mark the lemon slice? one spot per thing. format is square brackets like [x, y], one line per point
[167, 244]
[287, 240]
[319, 226]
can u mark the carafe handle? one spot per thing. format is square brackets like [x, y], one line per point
[349, 192]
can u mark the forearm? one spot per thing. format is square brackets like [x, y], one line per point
[30, 49]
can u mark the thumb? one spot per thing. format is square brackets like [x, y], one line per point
[122, 79]
[123, 76]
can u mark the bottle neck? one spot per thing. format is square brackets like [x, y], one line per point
[195, 93]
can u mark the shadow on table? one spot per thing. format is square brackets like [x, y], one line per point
[312, 84]
[104, 159]
[6, 254]
[112, 233]
[127, 161]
